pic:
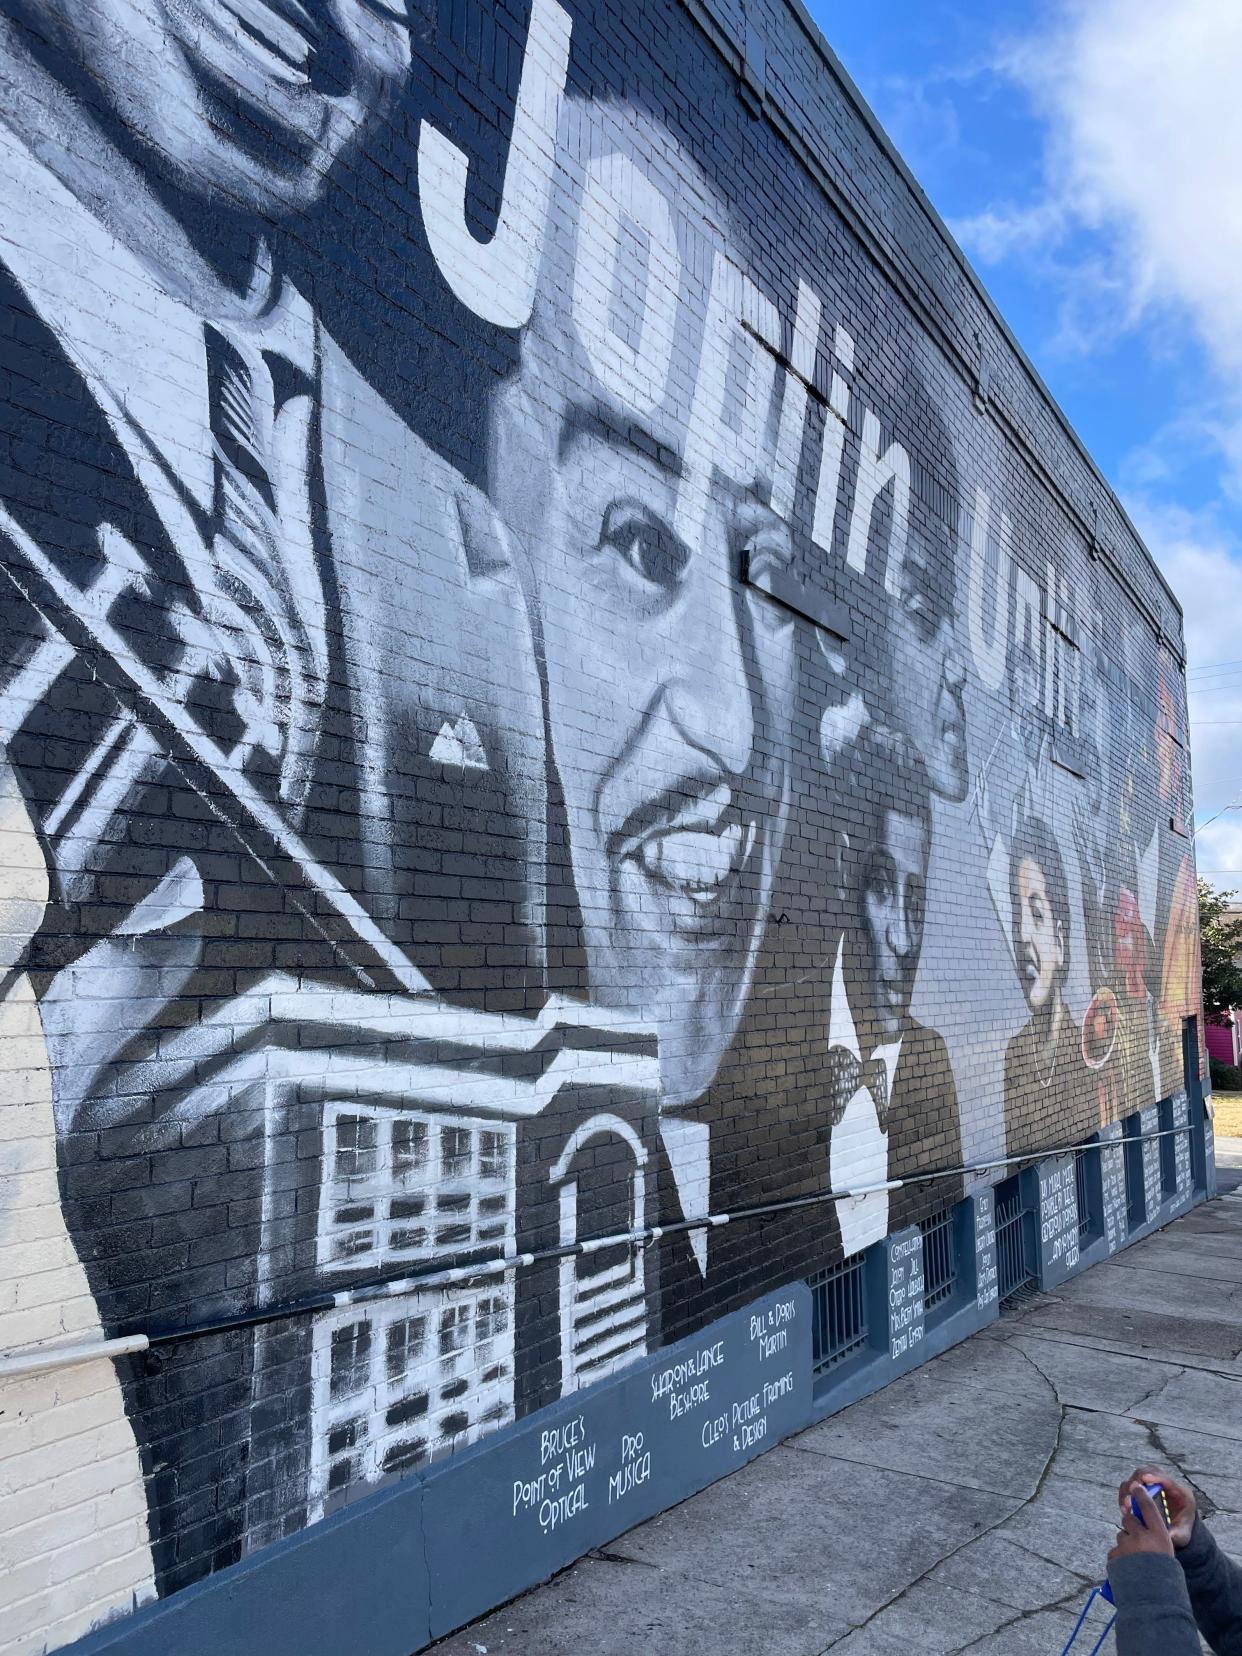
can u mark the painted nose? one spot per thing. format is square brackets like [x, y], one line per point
[899, 935]
[710, 694]
[954, 664]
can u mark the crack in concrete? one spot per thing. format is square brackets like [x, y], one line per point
[1055, 1563]
[1206, 1505]
[1136, 1267]
[1118, 1348]
[1022, 1616]
[604, 1555]
[923, 1576]
[1155, 1392]
[1199, 1431]
[988, 1529]
[1082, 1580]
[1176, 1370]
[1056, 1445]
[840, 1454]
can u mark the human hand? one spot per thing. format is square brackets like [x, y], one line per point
[1142, 1535]
[1179, 1499]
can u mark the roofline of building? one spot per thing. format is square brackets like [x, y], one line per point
[865, 113]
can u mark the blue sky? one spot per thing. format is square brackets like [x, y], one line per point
[1086, 153]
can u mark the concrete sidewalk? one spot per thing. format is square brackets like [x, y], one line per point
[967, 1507]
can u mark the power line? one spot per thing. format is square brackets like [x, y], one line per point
[1233, 805]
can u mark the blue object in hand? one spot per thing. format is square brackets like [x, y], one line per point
[1156, 1491]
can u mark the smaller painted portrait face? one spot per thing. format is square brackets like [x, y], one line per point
[888, 856]
[1040, 914]
[1041, 943]
[247, 102]
[894, 909]
[927, 661]
[636, 488]
[930, 668]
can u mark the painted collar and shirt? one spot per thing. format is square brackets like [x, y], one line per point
[264, 536]
[893, 1113]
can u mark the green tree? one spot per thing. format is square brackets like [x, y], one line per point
[1222, 941]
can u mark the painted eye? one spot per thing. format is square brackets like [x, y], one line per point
[916, 907]
[769, 555]
[881, 886]
[768, 552]
[647, 544]
[923, 613]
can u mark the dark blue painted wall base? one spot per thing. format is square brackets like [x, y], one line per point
[446, 1545]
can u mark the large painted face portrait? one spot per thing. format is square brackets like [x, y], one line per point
[669, 682]
[246, 101]
[894, 907]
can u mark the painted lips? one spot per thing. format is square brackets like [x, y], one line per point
[697, 856]
[897, 992]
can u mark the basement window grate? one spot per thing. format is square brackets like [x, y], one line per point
[839, 1313]
[939, 1258]
[1014, 1240]
[1082, 1192]
[1089, 1190]
[1168, 1152]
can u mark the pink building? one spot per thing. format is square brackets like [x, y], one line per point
[1224, 1041]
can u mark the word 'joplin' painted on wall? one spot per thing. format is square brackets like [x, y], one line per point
[398, 860]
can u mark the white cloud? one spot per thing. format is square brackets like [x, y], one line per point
[1218, 852]
[1198, 554]
[1006, 230]
[1147, 139]
[1138, 224]
[1144, 150]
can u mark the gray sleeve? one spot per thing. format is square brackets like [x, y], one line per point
[1214, 1584]
[1153, 1607]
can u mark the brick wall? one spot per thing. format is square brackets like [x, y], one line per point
[561, 679]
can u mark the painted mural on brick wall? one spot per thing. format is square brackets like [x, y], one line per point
[529, 716]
